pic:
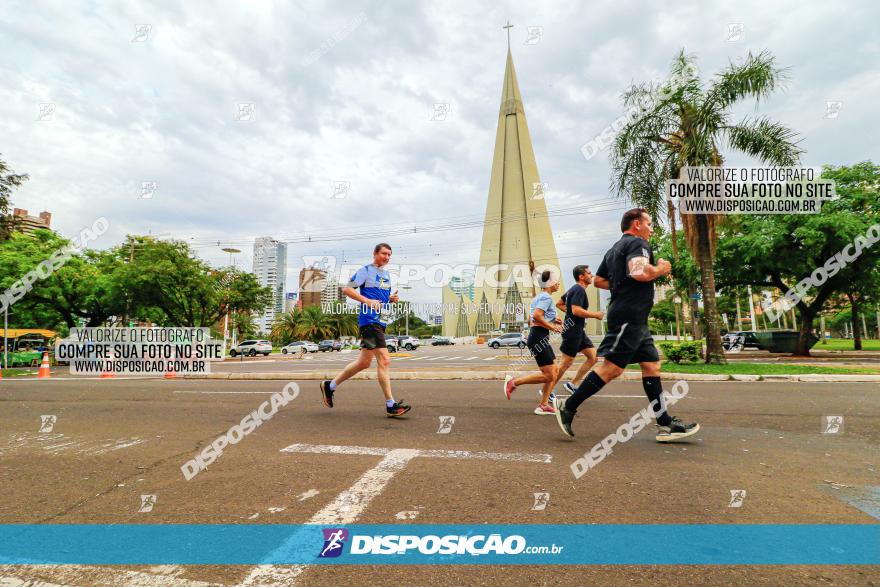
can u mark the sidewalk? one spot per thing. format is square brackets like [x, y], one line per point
[499, 375]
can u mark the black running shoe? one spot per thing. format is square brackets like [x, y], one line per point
[327, 393]
[676, 430]
[563, 417]
[398, 409]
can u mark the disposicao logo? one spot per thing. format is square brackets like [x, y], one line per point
[334, 540]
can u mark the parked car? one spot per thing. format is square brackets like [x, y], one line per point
[391, 344]
[301, 346]
[749, 340]
[409, 343]
[441, 340]
[251, 348]
[329, 345]
[509, 339]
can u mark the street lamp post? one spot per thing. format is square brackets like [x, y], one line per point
[232, 251]
[676, 301]
[6, 337]
[407, 309]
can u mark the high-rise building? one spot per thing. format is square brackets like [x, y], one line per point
[312, 282]
[270, 267]
[25, 223]
[517, 238]
[332, 292]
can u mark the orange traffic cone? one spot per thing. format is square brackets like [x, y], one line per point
[170, 373]
[108, 374]
[44, 372]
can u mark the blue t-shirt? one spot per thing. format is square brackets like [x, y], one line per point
[544, 302]
[375, 284]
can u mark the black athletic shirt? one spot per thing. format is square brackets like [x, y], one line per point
[575, 296]
[631, 300]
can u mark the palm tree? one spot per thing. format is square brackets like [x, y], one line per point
[285, 327]
[343, 324]
[313, 324]
[686, 126]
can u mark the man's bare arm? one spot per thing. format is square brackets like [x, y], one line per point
[601, 282]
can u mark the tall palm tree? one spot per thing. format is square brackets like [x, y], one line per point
[686, 124]
[313, 324]
[343, 324]
[285, 327]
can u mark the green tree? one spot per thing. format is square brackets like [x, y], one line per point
[314, 325]
[778, 251]
[686, 123]
[165, 275]
[80, 289]
[8, 181]
[343, 324]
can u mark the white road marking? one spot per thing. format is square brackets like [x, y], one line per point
[225, 392]
[471, 358]
[57, 443]
[90, 575]
[349, 504]
[307, 494]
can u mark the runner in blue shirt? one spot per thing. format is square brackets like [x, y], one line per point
[542, 321]
[375, 297]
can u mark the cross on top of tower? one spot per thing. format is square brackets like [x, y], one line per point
[508, 27]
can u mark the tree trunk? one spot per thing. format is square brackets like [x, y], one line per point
[857, 328]
[803, 345]
[695, 312]
[714, 350]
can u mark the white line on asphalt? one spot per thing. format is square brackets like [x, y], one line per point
[349, 504]
[226, 392]
[94, 575]
[471, 358]
[490, 359]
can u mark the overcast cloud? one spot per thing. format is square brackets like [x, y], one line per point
[345, 91]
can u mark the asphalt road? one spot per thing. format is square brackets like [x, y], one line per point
[115, 440]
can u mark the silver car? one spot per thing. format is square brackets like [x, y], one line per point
[510, 339]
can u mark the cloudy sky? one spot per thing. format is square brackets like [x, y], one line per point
[98, 98]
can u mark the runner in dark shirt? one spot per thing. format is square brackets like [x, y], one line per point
[575, 341]
[628, 271]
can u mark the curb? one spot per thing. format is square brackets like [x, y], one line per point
[499, 375]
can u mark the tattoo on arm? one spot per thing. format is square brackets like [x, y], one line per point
[637, 266]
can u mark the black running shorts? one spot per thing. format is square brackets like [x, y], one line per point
[575, 343]
[372, 336]
[629, 343]
[539, 344]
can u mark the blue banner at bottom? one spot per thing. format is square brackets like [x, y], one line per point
[419, 544]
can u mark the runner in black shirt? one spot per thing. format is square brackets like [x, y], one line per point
[628, 271]
[575, 341]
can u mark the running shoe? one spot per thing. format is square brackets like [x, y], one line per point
[568, 386]
[327, 393]
[545, 410]
[676, 430]
[509, 386]
[398, 409]
[549, 399]
[563, 418]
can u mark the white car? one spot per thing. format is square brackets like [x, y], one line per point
[510, 339]
[251, 348]
[301, 346]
